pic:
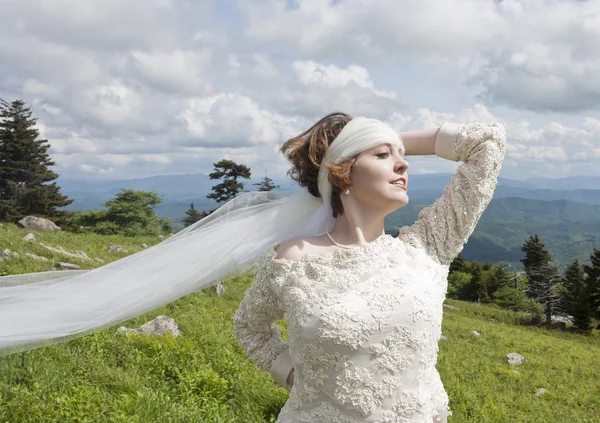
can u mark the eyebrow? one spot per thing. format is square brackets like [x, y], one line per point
[391, 146]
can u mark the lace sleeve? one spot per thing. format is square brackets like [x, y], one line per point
[254, 328]
[444, 227]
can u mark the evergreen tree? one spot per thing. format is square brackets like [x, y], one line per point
[24, 168]
[479, 288]
[499, 277]
[130, 213]
[229, 171]
[459, 264]
[577, 297]
[536, 256]
[266, 184]
[545, 281]
[193, 215]
[593, 278]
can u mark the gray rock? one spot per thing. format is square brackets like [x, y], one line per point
[60, 250]
[474, 332]
[144, 246]
[161, 237]
[219, 288]
[29, 237]
[67, 266]
[451, 307]
[540, 391]
[6, 254]
[99, 260]
[117, 249]
[36, 257]
[158, 326]
[81, 255]
[38, 224]
[515, 359]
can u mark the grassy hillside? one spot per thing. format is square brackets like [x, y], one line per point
[204, 375]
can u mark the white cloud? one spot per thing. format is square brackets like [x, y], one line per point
[146, 87]
[531, 54]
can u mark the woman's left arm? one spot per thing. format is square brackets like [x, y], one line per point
[444, 227]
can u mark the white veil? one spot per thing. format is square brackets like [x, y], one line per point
[38, 309]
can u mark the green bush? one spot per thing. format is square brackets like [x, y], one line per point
[458, 283]
[510, 298]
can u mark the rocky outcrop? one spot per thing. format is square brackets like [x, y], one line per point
[158, 326]
[38, 224]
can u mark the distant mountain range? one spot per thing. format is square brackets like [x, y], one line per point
[563, 212]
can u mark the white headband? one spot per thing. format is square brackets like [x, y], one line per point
[358, 135]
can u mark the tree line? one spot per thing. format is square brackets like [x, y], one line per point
[541, 289]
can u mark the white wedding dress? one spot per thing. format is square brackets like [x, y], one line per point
[364, 323]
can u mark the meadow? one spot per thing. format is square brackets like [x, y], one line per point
[205, 376]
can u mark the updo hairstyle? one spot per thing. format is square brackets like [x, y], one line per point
[306, 151]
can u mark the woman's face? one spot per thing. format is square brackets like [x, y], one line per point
[372, 175]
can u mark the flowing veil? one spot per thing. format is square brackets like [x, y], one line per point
[38, 309]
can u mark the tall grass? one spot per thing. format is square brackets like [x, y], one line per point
[204, 375]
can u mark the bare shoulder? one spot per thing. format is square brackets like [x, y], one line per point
[294, 249]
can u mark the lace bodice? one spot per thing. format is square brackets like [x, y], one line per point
[364, 323]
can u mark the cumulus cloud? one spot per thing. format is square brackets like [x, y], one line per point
[147, 87]
[530, 54]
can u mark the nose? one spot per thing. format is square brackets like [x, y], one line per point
[401, 164]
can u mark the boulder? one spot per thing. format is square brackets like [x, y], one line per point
[474, 332]
[67, 266]
[158, 326]
[515, 359]
[451, 307]
[38, 224]
[60, 250]
[36, 257]
[29, 237]
[117, 249]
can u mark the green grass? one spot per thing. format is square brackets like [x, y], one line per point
[204, 375]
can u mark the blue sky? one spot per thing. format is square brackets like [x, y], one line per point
[127, 89]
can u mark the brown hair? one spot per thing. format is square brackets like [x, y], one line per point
[306, 151]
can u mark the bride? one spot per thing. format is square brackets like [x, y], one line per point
[364, 309]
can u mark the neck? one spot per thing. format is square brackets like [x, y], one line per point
[358, 227]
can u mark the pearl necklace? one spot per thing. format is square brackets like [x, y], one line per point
[339, 245]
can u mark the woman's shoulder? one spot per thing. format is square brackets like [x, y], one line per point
[296, 248]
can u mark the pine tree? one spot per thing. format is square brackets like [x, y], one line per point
[577, 297]
[545, 281]
[24, 168]
[193, 215]
[229, 171]
[593, 277]
[266, 184]
[478, 284]
[459, 264]
[499, 277]
[535, 257]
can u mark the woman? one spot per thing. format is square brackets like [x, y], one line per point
[364, 309]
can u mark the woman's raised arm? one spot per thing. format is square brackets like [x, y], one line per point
[444, 227]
